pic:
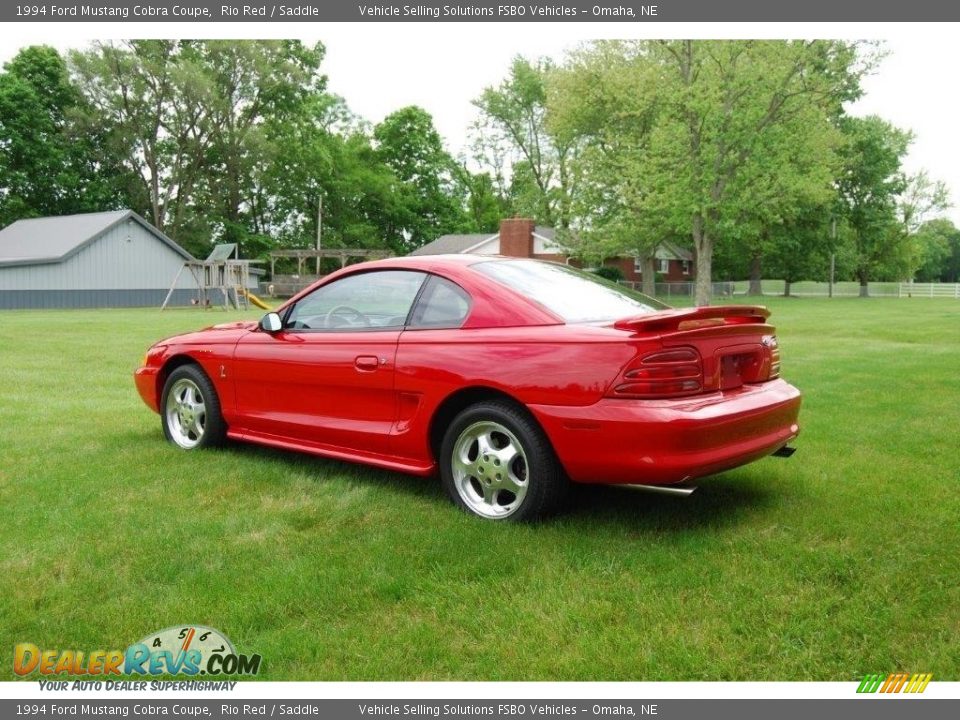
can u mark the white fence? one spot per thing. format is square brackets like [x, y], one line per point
[809, 288]
[682, 289]
[812, 289]
[950, 290]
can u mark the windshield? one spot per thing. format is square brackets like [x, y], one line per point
[574, 295]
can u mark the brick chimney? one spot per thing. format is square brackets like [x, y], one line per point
[516, 237]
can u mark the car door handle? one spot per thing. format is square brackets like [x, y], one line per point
[366, 363]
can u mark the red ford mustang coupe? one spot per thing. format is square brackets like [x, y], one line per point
[511, 376]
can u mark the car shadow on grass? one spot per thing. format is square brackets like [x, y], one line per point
[719, 500]
[320, 469]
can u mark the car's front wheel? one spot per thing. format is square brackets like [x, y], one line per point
[497, 463]
[190, 411]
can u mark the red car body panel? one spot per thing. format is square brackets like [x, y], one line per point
[374, 396]
[661, 442]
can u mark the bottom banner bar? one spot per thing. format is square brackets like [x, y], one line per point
[873, 707]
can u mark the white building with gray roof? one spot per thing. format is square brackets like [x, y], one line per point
[106, 259]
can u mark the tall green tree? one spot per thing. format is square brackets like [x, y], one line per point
[800, 248]
[485, 205]
[869, 188]
[606, 101]
[737, 116]
[51, 161]
[154, 100]
[714, 140]
[921, 198]
[253, 85]
[326, 156]
[950, 266]
[512, 136]
[936, 251]
[188, 117]
[409, 144]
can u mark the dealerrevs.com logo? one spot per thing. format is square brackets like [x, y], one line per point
[180, 650]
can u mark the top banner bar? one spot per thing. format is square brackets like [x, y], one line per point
[624, 11]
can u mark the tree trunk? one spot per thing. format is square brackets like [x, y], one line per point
[755, 272]
[786, 288]
[155, 202]
[703, 244]
[864, 288]
[649, 275]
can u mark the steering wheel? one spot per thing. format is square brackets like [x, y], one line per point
[346, 310]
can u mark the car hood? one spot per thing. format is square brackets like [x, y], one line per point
[238, 325]
[221, 334]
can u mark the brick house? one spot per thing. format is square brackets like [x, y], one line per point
[520, 237]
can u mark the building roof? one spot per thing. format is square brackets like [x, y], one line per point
[677, 251]
[54, 239]
[547, 233]
[455, 244]
[447, 244]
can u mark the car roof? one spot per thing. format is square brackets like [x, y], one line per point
[435, 262]
[489, 308]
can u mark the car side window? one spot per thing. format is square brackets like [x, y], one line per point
[443, 304]
[378, 300]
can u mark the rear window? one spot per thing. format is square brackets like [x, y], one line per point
[442, 304]
[574, 295]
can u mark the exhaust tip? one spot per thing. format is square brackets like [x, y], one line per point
[785, 452]
[675, 490]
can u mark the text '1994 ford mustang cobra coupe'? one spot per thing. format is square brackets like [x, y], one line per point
[512, 377]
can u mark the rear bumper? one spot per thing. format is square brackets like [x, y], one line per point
[660, 442]
[146, 381]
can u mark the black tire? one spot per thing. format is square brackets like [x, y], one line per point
[190, 410]
[526, 488]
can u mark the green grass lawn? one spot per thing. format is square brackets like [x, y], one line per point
[840, 561]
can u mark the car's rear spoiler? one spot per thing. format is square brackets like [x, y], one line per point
[693, 318]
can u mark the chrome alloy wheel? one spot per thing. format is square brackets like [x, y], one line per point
[186, 413]
[490, 469]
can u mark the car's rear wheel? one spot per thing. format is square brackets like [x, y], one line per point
[190, 412]
[497, 463]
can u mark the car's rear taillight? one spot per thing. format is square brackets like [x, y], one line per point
[663, 374]
[774, 349]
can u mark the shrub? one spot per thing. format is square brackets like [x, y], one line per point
[614, 274]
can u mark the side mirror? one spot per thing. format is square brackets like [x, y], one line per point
[271, 323]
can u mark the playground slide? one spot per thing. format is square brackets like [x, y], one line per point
[255, 300]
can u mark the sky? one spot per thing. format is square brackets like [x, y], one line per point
[379, 68]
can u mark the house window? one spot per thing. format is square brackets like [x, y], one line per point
[659, 265]
[687, 267]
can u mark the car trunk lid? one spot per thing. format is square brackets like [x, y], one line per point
[701, 350]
